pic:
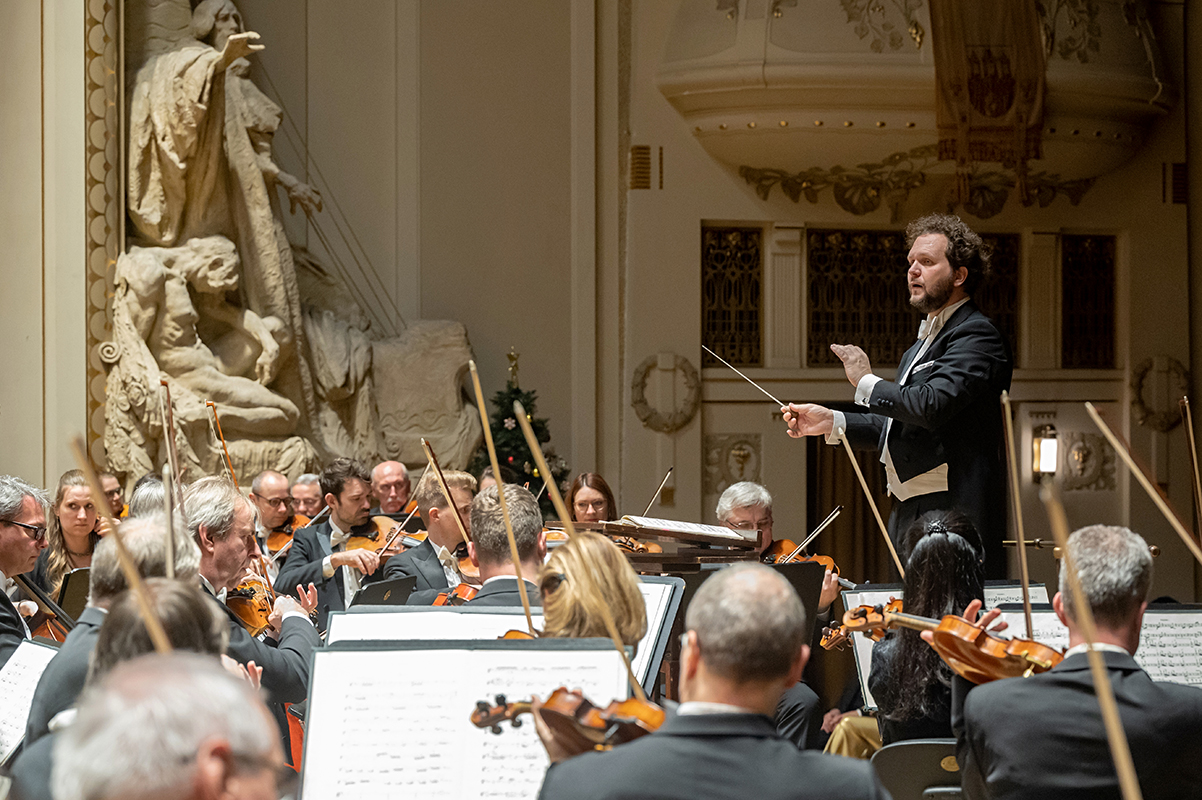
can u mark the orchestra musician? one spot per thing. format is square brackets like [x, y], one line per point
[306, 495]
[590, 499]
[190, 623]
[72, 536]
[907, 678]
[938, 427]
[390, 487]
[269, 493]
[433, 562]
[489, 547]
[146, 540]
[744, 645]
[176, 726]
[23, 512]
[318, 555]
[114, 492]
[221, 521]
[1042, 737]
[583, 572]
[147, 499]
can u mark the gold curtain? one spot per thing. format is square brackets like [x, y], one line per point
[854, 541]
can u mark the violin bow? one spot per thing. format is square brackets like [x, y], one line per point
[1123, 452]
[561, 508]
[1012, 463]
[1120, 750]
[446, 490]
[496, 470]
[855, 465]
[831, 517]
[229, 465]
[167, 412]
[169, 521]
[398, 530]
[655, 496]
[1193, 463]
[151, 619]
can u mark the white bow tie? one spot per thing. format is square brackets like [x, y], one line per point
[928, 328]
[337, 538]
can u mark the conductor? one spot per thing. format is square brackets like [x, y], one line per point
[938, 427]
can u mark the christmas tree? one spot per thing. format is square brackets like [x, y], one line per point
[512, 451]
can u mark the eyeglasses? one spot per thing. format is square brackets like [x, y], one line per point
[286, 502]
[759, 524]
[39, 531]
[589, 505]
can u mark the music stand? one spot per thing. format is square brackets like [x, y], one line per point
[385, 593]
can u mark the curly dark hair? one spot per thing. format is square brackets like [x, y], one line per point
[964, 247]
[335, 476]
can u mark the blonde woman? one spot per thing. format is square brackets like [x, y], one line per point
[71, 536]
[580, 576]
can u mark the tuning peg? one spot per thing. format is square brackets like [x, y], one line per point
[517, 722]
[482, 707]
[496, 729]
[500, 700]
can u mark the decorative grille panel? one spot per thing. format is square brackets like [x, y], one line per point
[1087, 292]
[732, 295]
[857, 293]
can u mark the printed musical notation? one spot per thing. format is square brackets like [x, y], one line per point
[18, 680]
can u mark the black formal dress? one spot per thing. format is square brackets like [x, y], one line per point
[948, 411]
[504, 592]
[310, 546]
[1041, 737]
[887, 691]
[419, 562]
[697, 757]
[12, 629]
[64, 677]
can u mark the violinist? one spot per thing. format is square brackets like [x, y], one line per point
[590, 499]
[306, 495]
[72, 536]
[486, 478]
[744, 645]
[318, 555]
[433, 562]
[221, 521]
[269, 493]
[114, 493]
[1042, 737]
[586, 570]
[489, 547]
[146, 540]
[911, 684]
[23, 511]
[390, 487]
[147, 499]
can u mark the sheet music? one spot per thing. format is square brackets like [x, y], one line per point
[18, 679]
[862, 645]
[1168, 648]
[655, 597]
[691, 527]
[425, 624]
[395, 723]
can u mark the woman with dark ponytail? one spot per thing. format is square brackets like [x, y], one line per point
[908, 679]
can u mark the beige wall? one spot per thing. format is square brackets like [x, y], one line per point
[42, 309]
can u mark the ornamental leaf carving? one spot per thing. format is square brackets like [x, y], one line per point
[873, 18]
[1084, 31]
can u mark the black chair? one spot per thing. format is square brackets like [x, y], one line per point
[919, 769]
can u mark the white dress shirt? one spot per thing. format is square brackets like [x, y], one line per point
[350, 575]
[4, 580]
[450, 566]
[934, 480]
[1103, 647]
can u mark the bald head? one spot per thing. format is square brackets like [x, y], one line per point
[390, 486]
[269, 493]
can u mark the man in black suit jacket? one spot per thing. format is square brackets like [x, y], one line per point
[489, 547]
[63, 679]
[432, 562]
[221, 521]
[938, 427]
[744, 645]
[1042, 737]
[22, 537]
[318, 556]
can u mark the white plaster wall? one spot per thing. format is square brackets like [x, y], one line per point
[42, 310]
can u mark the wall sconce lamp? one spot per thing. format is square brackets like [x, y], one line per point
[1044, 451]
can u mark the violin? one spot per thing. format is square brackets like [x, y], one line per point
[469, 571]
[575, 721]
[785, 551]
[629, 545]
[457, 596]
[251, 602]
[971, 651]
[837, 638]
[54, 623]
[279, 538]
[380, 537]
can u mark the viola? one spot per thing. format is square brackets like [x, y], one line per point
[628, 545]
[457, 596]
[575, 721]
[251, 602]
[279, 538]
[971, 651]
[837, 638]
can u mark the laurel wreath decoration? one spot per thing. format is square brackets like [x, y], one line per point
[1161, 421]
[655, 419]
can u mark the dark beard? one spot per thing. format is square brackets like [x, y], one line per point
[935, 297]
